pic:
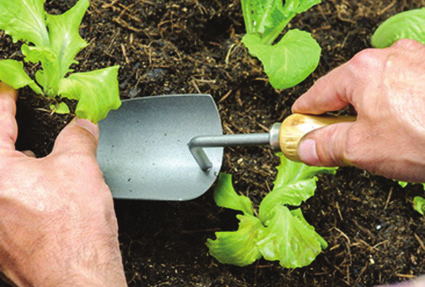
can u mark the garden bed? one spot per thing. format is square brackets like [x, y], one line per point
[194, 46]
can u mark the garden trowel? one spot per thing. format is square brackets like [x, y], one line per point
[171, 147]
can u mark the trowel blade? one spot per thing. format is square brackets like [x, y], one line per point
[143, 150]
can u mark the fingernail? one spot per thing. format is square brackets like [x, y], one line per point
[307, 152]
[88, 125]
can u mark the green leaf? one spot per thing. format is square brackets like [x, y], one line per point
[237, 247]
[295, 183]
[405, 25]
[278, 234]
[290, 172]
[35, 54]
[403, 184]
[12, 73]
[61, 108]
[267, 19]
[226, 196]
[64, 31]
[97, 92]
[292, 194]
[24, 20]
[299, 6]
[290, 61]
[289, 240]
[419, 204]
[298, 213]
[65, 44]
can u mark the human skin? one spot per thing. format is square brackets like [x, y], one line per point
[57, 220]
[386, 87]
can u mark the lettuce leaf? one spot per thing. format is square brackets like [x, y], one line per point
[419, 204]
[289, 240]
[286, 63]
[418, 201]
[238, 247]
[277, 233]
[405, 25]
[54, 41]
[12, 73]
[227, 197]
[24, 20]
[95, 91]
[295, 56]
[267, 19]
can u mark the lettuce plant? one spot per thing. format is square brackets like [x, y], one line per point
[295, 56]
[54, 41]
[405, 25]
[278, 232]
[418, 201]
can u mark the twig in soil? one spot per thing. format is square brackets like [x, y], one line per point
[379, 13]
[229, 53]
[112, 4]
[389, 198]
[225, 96]
[421, 243]
[261, 79]
[124, 52]
[266, 129]
[359, 276]
[339, 211]
[379, 244]
[124, 24]
[408, 276]
[341, 8]
[196, 86]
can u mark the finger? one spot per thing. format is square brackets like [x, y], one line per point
[8, 125]
[344, 85]
[329, 93]
[79, 136]
[326, 146]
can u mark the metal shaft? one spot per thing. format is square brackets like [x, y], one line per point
[197, 144]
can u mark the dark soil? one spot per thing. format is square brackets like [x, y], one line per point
[193, 46]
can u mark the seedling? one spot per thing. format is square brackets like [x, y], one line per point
[405, 25]
[278, 232]
[418, 202]
[295, 56]
[54, 41]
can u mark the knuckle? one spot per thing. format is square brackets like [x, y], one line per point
[73, 159]
[364, 59]
[353, 153]
[407, 44]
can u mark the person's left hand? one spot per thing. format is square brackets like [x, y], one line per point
[57, 220]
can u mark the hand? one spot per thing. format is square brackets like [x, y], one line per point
[57, 220]
[386, 87]
[417, 282]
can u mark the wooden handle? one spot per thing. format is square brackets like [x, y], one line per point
[296, 126]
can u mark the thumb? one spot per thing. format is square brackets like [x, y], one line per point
[79, 136]
[325, 146]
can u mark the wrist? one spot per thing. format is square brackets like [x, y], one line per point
[84, 263]
[95, 266]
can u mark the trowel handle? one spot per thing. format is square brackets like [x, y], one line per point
[296, 126]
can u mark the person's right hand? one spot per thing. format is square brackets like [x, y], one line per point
[386, 87]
